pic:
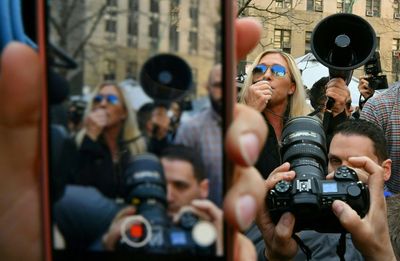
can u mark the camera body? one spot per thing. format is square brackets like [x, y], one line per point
[310, 200]
[151, 230]
[373, 68]
[310, 196]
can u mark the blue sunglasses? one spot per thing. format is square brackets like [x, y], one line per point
[110, 98]
[276, 69]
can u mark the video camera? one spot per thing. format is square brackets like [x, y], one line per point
[310, 196]
[373, 68]
[151, 230]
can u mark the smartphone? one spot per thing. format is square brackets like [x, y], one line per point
[139, 96]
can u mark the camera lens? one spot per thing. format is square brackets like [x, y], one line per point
[304, 147]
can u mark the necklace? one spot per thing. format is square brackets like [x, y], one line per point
[275, 114]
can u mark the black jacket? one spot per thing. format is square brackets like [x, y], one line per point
[96, 168]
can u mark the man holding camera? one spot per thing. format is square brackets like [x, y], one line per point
[357, 144]
[187, 191]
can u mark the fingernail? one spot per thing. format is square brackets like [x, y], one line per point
[245, 211]
[337, 207]
[248, 143]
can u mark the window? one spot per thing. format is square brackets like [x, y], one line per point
[344, 6]
[193, 39]
[133, 25]
[173, 38]
[194, 13]
[111, 25]
[154, 6]
[378, 43]
[110, 70]
[315, 5]
[308, 42]
[284, 3]
[282, 40]
[396, 9]
[373, 8]
[133, 5]
[153, 29]
[112, 2]
[131, 70]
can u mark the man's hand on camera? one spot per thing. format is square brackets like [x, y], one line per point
[113, 235]
[337, 89]
[370, 234]
[277, 237]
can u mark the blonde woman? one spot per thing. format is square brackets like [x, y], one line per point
[109, 138]
[274, 88]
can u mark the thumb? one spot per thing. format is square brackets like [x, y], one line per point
[347, 216]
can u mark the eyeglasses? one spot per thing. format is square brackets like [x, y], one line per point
[276, 69]
[110, 98]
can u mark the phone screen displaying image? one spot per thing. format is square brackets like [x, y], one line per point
[136, 109]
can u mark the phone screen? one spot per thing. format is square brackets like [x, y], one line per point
[136, 120]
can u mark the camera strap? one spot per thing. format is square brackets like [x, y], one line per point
[305, 249]
[341, 247]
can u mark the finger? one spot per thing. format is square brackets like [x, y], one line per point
[208, 207]
[248, 32]
[246, 136]
[20, 88]
[127, 211]
[347, 216]
[284, 229]
[375, 182]
[244, 249]
[244, 198]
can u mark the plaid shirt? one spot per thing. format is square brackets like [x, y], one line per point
[203, 133]
[384, 110]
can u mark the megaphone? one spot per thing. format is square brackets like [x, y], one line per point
[343, 42]
[166, 77]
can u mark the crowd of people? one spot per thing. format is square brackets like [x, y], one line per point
[111, 135]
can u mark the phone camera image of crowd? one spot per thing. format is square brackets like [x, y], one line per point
[140, 152]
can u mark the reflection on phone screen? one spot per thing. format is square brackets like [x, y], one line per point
[135, 100]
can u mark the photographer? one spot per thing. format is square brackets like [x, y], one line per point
[359, 145]
[187, 190]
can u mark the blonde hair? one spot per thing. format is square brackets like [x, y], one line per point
[297, 103]
[131, 134]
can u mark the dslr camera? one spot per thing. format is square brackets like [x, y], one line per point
[373, 68]
[310, 196]
[151, 230]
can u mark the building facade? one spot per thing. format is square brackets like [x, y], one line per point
[123, 34]
[288, 25]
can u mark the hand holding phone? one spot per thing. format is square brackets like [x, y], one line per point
[21, 175]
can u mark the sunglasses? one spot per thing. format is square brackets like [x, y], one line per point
[276, 69]
[110, 98]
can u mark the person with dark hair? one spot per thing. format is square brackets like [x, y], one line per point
[357, 144]
[187, 190]
[317, 95]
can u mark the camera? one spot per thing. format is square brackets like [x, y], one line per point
[151, 230]
[373, 68]
[310, 196]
